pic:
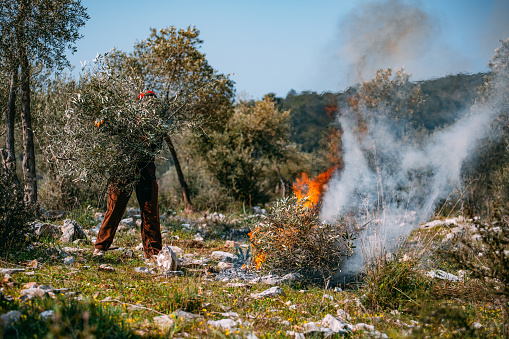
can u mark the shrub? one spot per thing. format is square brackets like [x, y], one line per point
[15, 216]
[452, 322]
[252, 141]
[392, 284]
[206, 192]
[293, 239]
[62, 193]
[488, 258]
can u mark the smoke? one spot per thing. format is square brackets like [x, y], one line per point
[385, 34]
[390, 184]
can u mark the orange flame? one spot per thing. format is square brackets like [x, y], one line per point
[259, 258]
[312, 188]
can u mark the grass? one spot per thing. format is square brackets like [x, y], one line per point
[394, 296]
[462, 309]
[72, 320]
[394, 284]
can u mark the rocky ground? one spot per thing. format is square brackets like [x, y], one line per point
[200, 285]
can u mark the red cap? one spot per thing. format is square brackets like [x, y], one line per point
[147, 93]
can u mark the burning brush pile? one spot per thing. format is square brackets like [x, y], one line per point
[293, 239]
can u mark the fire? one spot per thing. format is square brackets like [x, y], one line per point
[259, 258]
[289, 236]
[312, 188]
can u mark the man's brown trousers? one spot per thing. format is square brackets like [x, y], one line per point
[146, 192]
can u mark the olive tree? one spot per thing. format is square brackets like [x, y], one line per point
[255, 138]
[33, 31]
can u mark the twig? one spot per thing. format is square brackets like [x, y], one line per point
[47, 275]
[138, 306]
[66, 159]
[400, 291]
[359, 228]
[8, 263]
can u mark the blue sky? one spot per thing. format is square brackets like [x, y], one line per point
[276, 46]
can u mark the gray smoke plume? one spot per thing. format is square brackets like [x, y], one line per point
[382, 34]
[390, 185]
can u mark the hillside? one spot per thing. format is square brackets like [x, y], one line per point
[444, 99]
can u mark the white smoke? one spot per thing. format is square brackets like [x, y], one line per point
[383, 34]
[392, 185]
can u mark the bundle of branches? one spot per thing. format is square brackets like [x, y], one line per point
[292, 239]
[106, 131]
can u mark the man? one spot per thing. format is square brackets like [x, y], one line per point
[147, 194]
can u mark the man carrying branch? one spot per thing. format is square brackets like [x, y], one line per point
[147, 194]
[119, 146]
[107, 134]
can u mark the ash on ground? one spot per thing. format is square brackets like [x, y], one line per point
[236, 274]
[239, 274]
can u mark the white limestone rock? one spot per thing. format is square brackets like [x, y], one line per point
[177, 250]
[128, 222]
[69, 260]
[31, 293]
[163, 322]
[224, 265]
[107, 268]
[11, 271]
[44, 230]
[167, 259]
[269, 293]
[186, 315]
[143, 270]
[10, 317]
[224, 324]
[71, 231]
[439, 274]
[46, 315]
[336, 325]
[223, 255]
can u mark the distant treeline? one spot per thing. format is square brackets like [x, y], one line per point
[311, 113]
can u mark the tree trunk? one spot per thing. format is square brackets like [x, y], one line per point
[29, 173]
[10, 153]
[282, 181]
[185, 190]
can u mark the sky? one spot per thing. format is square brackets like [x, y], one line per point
[322, 45]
